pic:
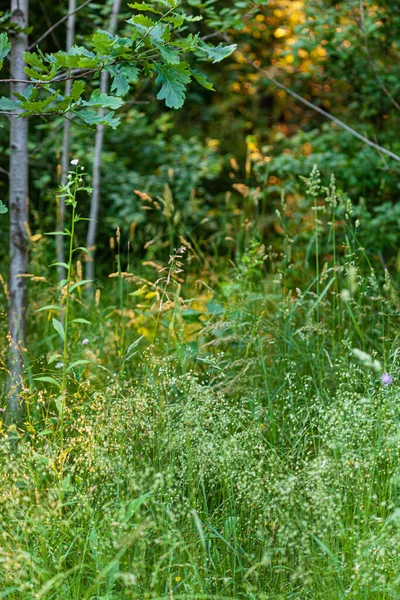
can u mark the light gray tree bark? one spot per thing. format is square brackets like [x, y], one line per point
[66, 145]
[18, 206]
[96, 173]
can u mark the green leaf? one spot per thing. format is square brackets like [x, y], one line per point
[78, 284]
[5, 45]
[3, 208]
[59, 328]
[44, 432]
[170, 56]
[143, 6]
[132, 73]
[77, 90]
[202, 80]
[217, 53]
[146, 27]
[49, 307]
[102, 41]
[66, 484]
[30, 92]
[48, 380]
[77, 363]
[192, 316]
[34, 60]
[216, 309]
[83, 249]
[54, 358]
[188, 44]
[93, 118]
[83, 321]
[58, 233]
[173, 79]
[135, 504]
[134, 344]
[39, 66]
[166, 36]
[9, 590]
[104, 101]
[200, 530]
[60, 408]
[76, 57]
[230, 527]
[220, 536]
[59, 264]
[7, 104]
[122, 77]
[178, 19]
[38, 107]
[120, 84]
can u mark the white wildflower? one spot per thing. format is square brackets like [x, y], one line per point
[345, 295]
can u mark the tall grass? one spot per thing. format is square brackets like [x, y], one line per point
[247, 446]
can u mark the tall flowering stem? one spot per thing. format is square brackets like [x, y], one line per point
[71, 199]
[69, 191]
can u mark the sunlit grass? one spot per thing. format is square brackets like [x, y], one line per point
[247, 446]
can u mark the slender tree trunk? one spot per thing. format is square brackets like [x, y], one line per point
[18, 204]
[96, 173]
[65, 146]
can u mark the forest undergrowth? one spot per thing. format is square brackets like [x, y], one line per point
[221, 430]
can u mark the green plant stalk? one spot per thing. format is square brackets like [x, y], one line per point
[336, 286]
[66, 314]
[121, 337]
[63, 389]
[316, 247]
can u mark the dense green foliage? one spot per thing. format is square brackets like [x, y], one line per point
[218, 417]
[321, 53]
[245, 446]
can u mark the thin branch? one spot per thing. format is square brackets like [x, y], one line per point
[17, 81]
[371, 60]
[73, 74]
[49, 24]
[245, 18]
[321, 111]
[46, 33]
[47, 138]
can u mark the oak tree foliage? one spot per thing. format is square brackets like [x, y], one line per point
[158, 44]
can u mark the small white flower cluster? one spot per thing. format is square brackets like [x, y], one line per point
[367, 360]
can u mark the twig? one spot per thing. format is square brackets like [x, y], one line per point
[371, 60]
[74, 74]
[17, 81]
[46, 33]
[47, 138]
[321, 111]
[49, 24]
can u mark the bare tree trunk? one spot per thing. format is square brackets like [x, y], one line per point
[18, 204]
[96, 173]
[66, 144]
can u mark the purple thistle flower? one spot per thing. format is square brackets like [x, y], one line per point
[386, 379]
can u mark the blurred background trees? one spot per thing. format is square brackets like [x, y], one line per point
[242, 339]
[342, 56]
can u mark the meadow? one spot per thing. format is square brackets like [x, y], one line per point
[209, 427]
